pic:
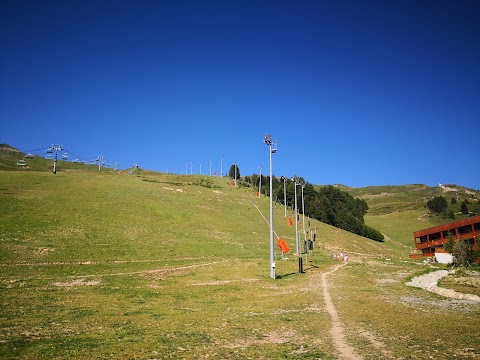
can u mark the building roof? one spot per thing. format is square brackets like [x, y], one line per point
[448, 226]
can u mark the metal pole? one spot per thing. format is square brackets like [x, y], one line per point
[100, 160]
[305, 243]
[303, 216]
[272, 255]
[55, 163]
[268, 140]
[285, 195]
[260, 185]
[235, 173]
[297, 243]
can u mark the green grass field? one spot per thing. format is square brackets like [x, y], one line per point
[148, 265]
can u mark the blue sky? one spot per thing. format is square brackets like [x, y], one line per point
[355, 92]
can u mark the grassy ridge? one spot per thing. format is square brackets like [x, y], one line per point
[100, 264]
[97, 265]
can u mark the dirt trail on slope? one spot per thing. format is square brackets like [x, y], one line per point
[346, 351]
[430, 282]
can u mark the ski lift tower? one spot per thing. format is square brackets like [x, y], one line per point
[57, 148]
[100, 159]
[272, 149]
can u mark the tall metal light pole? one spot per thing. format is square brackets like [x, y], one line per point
[300, 259]
[260, 184]
[303, 216]
[297, 243]
[235, 163]
[305, 243]
[285, 195]
[272, 149]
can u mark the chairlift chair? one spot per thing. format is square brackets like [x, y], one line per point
[65, 156]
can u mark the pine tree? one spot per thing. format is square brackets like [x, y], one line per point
[234, 171]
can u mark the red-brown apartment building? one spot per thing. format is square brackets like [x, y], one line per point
[432, 239]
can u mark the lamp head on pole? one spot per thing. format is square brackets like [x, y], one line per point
[268, 139]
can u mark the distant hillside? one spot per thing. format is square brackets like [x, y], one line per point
[397, 211]
[386, 199]
[400, 210]
[8, 148]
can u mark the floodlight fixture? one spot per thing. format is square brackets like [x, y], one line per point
[268, 139]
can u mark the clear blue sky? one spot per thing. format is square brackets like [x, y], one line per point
[355, 92]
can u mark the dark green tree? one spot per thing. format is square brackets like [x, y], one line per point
[464, 207]
[232, 172]
[438, 204]
[327, 204]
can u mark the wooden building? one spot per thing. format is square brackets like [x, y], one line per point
[432, 240]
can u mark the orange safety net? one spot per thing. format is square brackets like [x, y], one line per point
[290, 222]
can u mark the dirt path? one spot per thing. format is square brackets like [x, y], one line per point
[430, 282]
[346, 351]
